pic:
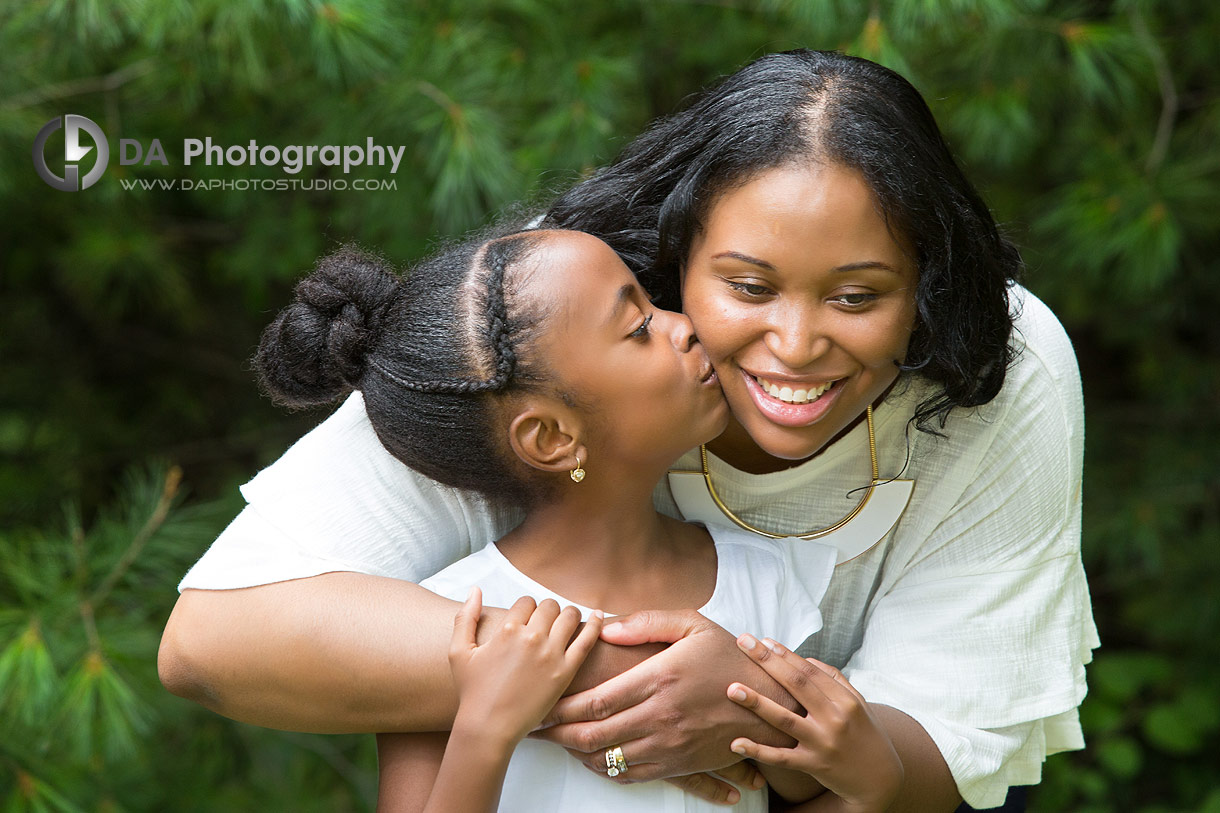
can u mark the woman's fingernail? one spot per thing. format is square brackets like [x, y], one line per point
[738, 748]
[747, 641]
[598, 614]
[771, 645]
[613, 626]
[738, 693]
[734, 797]
[759, 781]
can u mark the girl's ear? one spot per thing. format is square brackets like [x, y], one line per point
[548, 440]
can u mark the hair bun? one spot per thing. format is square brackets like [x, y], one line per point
[315, 350]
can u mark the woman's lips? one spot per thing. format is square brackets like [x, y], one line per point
[789, 414]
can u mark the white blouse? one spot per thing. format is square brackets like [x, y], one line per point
[972, 616]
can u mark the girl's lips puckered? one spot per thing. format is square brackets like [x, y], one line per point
[782, 410]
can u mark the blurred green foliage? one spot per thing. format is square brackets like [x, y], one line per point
[1091, 127]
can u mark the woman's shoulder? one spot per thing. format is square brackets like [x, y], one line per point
[342, 446]
[1042, 389]
[1041, 344]
[1041, 386]
[338, 491]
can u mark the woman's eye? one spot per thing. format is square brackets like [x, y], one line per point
[854, 300]
[642, 331]
[749, 288]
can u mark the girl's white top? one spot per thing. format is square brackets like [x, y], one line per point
[973, 616]
[763, 587]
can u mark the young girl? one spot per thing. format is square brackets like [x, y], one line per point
[532, 367]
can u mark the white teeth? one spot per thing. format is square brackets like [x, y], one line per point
[791, 396]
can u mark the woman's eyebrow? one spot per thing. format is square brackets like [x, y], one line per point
[745, 258]
[857, 266]
[866, 264]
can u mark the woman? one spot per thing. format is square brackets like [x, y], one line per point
[831, 257]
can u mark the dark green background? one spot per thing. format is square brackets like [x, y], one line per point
[128, 415]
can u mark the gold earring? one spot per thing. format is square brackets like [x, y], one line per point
[577, 474]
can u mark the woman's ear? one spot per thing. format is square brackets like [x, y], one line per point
[548, 440]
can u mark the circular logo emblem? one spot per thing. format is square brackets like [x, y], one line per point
[73, 152]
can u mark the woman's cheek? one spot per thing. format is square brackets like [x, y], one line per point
[712, 320]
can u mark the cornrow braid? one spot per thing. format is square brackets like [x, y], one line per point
[498, 335]
[496, 259]
[465, 386]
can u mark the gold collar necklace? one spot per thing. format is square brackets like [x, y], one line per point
[728, 512]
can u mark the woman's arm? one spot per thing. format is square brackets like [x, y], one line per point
[336, 653]
[340, 652]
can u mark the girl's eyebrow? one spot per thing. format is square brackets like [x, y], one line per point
[625, 295]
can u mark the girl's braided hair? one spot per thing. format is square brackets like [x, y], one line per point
[432, 354]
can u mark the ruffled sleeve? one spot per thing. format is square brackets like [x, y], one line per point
[982, 624]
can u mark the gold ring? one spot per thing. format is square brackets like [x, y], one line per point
[616, 763]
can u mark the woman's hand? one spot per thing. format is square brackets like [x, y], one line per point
[669, 714]
[839, 740]
[506, 685]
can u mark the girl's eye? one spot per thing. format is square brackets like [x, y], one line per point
[642, 331]
[854, 300]
[750, 289]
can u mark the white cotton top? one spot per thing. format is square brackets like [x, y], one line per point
[756, 591]
[972, 616]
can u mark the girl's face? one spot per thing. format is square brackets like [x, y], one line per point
[640, 369]
[805, 302]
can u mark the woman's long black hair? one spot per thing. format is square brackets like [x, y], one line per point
[787, 108]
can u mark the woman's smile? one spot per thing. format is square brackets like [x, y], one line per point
[790, 403]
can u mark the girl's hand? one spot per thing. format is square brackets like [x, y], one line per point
[506, 685]
[839, 740]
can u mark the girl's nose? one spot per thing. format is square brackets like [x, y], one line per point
[679, 329]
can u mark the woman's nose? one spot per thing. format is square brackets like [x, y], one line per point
[796, 338]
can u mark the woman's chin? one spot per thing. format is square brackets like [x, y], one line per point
[760, 446]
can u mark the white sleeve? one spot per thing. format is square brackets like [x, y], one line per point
[806, 572]
[769, 588]
[337, 500]
[983, 633]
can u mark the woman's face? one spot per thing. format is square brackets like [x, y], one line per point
[805, 303]
[648, 381]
